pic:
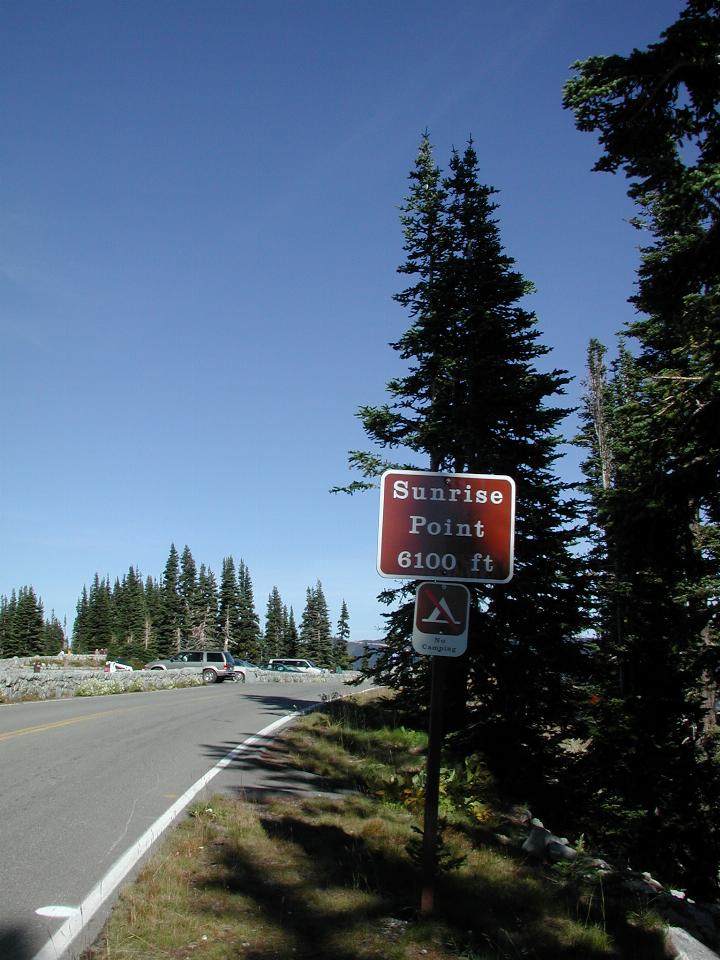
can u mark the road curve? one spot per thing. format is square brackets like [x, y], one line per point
[87, 784]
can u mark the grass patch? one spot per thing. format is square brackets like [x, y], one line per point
[333, 877]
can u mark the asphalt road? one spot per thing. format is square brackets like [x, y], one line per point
[84, 781]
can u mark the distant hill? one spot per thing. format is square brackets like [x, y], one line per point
[356, 649]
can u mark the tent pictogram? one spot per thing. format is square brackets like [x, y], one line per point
[441, 609]
[441, 612]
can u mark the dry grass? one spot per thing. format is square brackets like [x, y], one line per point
[331, 877]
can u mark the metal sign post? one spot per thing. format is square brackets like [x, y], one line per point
[432, 787]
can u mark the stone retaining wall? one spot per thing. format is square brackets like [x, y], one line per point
[53, 684]
[20, 681]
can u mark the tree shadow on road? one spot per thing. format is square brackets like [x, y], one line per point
[15, 944]
[292, 701]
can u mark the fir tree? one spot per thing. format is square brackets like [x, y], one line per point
[315, 638]
[54, 637]
[191, 604]
[132, 617]
[170, 616]
[208, 605]
[29, 623]
[8, 639]
[23, 630]
[656, 115]
[473, 400]
[291, 640]
[323, 648]
[81, 631]
[342, 637]
[248, 647]
[307, 624]
[101, 617]
[229, 606]
[274, 644]
[153, 615]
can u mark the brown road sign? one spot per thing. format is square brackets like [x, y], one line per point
[446, 526]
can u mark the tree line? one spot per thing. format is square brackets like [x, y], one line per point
[607, 636]
[24, 629]
[142, 619]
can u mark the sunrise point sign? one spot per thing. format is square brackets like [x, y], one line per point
[452, 526]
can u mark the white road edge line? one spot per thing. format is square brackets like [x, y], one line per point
[74, 925]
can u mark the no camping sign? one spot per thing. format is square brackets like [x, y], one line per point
[440, 627]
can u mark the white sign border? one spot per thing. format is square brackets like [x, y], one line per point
[453, 476]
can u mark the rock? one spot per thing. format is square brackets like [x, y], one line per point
[558, 851]
[652, 883]
[686, 947]
[541, 843]
[392, 927]
[536, 842]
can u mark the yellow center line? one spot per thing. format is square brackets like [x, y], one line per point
[44, 727]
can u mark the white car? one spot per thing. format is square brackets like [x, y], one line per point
[111, 666]
[302, 666]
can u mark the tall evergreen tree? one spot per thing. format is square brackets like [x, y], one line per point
[23, 630]
[274, 644]
[610, 393]
[308, 625]
[656, 115]
[315, 631]
[101, 618]
[208, 606]
[323, 650]
[170, 616]
[132, 617]
[191, 603]
[8, 640]
[229, 606]
[81, 636]
[29, 623]
[54, 639]
[342, 637]
[473, 400]
[153, 615]
[248, 646]
[291, 640]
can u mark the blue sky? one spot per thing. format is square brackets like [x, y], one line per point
[199, 239]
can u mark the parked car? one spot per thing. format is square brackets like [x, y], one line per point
[111, 666]
[277, 667]
[214, 665]
[302, 666]
[241, 668]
